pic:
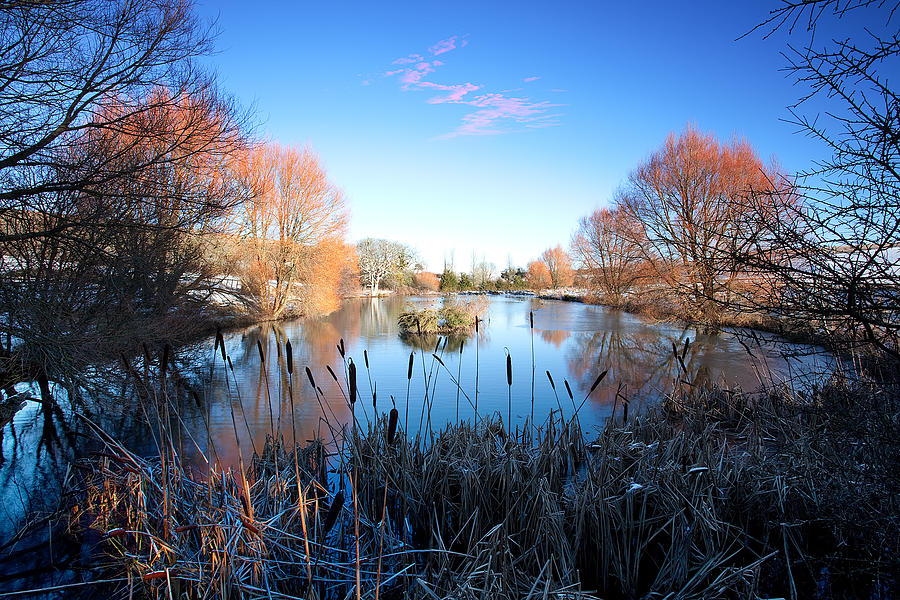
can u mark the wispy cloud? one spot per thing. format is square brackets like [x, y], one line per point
[493, 111]
[447, 45]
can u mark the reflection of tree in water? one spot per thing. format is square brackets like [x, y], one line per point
[643, 361]
[555, 336]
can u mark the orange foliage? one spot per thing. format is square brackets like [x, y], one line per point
[538, 276]
[702, 205]
[607, 246]
[559, 265]
[428, 281]
[294, 228]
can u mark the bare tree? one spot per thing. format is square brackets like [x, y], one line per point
[293, 228]
[483, 273]
[559, 265]
[538, 276]
[607, 248]
[112, 143]
[837, 269]
[700, 203]
[379, 258]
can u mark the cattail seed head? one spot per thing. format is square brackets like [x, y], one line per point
[409, 368]
[309, 376]
[262, 355]
[531, 318]
[290, 357]
[568, 389]
[392, 425]
[366, 358]
[508, 370]
[230, 364]
[597, 382]
[551, 381]
[333, 512]
[341, 348]
[352, 376]
[333, 376]
[164, 361]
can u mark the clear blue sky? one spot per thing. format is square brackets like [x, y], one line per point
[466, 126]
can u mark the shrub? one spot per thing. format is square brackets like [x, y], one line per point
[427, 281]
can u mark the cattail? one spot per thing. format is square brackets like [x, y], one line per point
[409, 369]
[461, 344]
[352, 375]
[366, 358]
[230, 364]
[392, 425]
[624, 411]
[687, 342]
[333, 376]
[333, 512]
[551, 381]
[508, 369]
[374, 398]
[164, 362]
[597, 382]
[438, 358]
[323, 468]
[476, 324]
[309, 376]
[531, 318]
[568, 389]
[340, 348]
[262, 355]
[290, 357]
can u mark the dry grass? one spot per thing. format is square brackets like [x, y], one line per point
[714, 493]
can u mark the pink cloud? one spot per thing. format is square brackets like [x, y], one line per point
[455, 93]
[408, 60]
[494, 111]
[446, 45]
[497, 108]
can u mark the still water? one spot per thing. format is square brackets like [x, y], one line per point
[574, 342]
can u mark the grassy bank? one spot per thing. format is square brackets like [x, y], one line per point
[713, 493]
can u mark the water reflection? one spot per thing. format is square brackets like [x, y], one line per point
[243, 399]
[574, 342]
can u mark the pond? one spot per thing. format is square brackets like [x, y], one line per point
[574, 342]
[251, 398]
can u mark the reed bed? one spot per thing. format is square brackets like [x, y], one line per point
[714, 493]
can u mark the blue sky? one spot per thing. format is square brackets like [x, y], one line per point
[463, 127]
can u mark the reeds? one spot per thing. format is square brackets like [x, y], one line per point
[713, 493]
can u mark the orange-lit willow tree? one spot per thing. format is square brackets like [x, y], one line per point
[700, 204]
[608, 249]
[292, 232]
[538, 276]
[559, 266]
